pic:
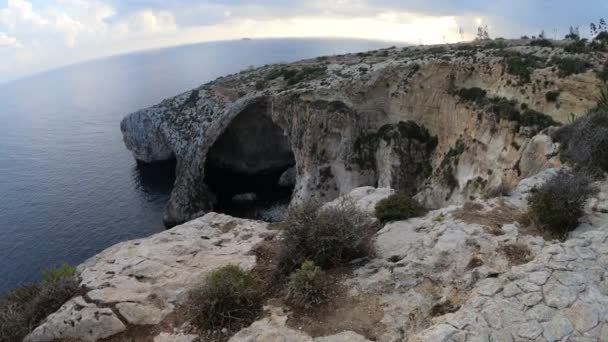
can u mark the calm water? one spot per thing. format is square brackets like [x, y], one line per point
[68, 186]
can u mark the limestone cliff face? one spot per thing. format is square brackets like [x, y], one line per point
[385, 118]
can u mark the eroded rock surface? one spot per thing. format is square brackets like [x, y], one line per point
[388, 118]
[140, 282]
[470, 272]
[274, 329]
[451, 276]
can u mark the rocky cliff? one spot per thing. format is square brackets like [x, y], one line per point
[464, 128]
[469, 272]
[448, 123]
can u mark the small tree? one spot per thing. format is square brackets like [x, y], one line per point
[482, 33]
[573, 34]
[598, 28]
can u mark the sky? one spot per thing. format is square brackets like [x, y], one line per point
[37, 35]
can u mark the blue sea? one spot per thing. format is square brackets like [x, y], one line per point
[68, 186]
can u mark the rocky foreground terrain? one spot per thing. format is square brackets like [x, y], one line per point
[462, 273]
[465, 129]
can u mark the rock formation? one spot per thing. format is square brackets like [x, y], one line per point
[455, 126]
[392, 117]
[468, 272]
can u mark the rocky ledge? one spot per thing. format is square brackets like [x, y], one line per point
[412, 119]
[470, 272]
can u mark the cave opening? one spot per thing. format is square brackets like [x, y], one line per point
[251, 168]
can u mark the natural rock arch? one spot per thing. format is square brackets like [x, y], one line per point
[249, 157]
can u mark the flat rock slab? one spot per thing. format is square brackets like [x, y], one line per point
[447, 260]
[274, 329]
[139, 282]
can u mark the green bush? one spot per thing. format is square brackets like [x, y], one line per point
[229, 298]
[23, 309]
[584, 142]
[570, 66]
[54, 274]
[305, 288]
[557, 205]
[541, 42]
[328, 236]
[578, 46]
[398, 207]
[600, 42]
[519, 66]
[532, 118]
[474, 94]
[504, 108]
[552, 96]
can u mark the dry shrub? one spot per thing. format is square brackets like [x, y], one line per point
[305, 288]
[229, 298]
[22, 309]
[517, 254]
[585, 142]
[557, 205]
[398, 207]
[492, 220]
[327, 236]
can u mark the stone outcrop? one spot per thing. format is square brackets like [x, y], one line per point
[140, 282]
[366, 126]
[470, 272]
[274, 328]
[388, 118]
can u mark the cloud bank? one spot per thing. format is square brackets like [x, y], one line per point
[40, 34]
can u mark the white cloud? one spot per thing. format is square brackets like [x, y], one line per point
[151, 22]
[37, 35]
[6, 40]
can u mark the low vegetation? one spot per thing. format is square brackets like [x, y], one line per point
[305, 288]
[398, 207]
[294, 75]
[64, 271]
[474, 94]
[22, 309]
[327, 236]
[532, 118]
[508, 109]
[569, 66]
[584, 143]
[551, 96]
[577, 46]
[229, 298]
[557, 205]
[522, 65]
[541, 42]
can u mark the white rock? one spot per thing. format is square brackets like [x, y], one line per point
[556, 329]
[559, 296]
[79, 320]
[365, 198]
[142, 314]
[145, 279]
[177, 337]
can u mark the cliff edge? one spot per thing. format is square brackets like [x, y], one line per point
[447, 123]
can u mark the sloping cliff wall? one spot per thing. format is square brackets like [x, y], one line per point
[394, 117]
